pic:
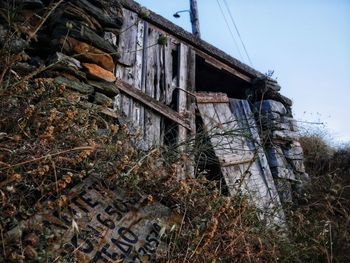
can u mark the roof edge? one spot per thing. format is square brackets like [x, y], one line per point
[186, 36]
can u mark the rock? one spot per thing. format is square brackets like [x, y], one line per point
[83, 33]
[284, 190]
[283, 123]
[75, 85]
[272, 84]
[89, 53]
[74, 12]
[103, 100]
[283, 173]
[276, 157]
[274, 95]
[10, 42]
[106, 13]
[302, 184]
[294, 151]
[66, 61]
[285, 136]
[267, 106]
[293, 126]
[66, 64]
[298, 165]
[111, 38]
[264, 84]
[96, 72]
[107, 88]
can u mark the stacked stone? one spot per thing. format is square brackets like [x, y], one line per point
[283, 150]
[76, 45]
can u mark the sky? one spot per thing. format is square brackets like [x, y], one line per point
[305, 43]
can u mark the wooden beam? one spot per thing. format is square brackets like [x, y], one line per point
[222, 66]
[152, 103]
[211, 97]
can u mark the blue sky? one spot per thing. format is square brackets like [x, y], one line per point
[306, 43]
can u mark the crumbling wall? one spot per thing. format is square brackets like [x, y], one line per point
[279, 131]
[67, 41]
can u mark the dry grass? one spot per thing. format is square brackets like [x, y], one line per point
[49, 142]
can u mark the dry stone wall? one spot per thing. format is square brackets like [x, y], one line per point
[285, 155]
[75, 42]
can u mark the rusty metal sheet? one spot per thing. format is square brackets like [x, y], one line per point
[99, 225]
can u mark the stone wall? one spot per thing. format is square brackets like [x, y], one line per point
[285, 156]
[74, 42]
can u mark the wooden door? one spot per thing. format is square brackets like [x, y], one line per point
[232, 132]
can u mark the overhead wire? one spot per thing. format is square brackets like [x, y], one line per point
[238, 33]
[230, 30]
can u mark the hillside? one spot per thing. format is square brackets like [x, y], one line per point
[74, 181]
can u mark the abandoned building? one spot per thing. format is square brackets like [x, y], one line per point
[179, 93]
[176, 87]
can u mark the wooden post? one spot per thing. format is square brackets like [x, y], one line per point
[194, 18]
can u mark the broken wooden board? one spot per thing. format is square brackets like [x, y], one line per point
[205, 97]
[98, 225]
[236, 143]
[152, 104]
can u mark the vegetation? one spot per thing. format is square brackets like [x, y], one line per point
[50, 141]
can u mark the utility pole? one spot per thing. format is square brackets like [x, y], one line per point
[194, 18]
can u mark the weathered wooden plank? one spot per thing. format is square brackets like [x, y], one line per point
[243, 163]
[152, 103]
[191, 109]
[217, 64]
[128, 45]
[205, 97]
[130, 66]
[128, 39]
[182, 77]
[267, 189]
[170, 83]
[234, 159]
[98, 224]
[182, 98]
[151, 85]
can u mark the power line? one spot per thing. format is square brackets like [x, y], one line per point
[229, 28]
[239, 35]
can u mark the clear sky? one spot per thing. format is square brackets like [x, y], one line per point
[306, 43]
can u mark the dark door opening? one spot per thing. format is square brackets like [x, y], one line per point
[212, 79]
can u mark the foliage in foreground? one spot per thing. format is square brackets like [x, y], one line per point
[49, 141]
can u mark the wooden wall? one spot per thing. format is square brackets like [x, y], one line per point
[163, 71]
